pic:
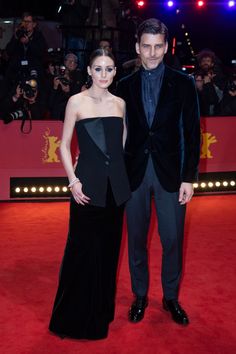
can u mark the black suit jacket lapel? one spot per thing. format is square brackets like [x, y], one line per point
[167, 93]
[137, 100]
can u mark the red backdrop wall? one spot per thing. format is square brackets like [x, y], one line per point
[36, 154]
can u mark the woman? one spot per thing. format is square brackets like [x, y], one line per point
[84, 304]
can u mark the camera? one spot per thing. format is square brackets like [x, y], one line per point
[55, 58]
[29, 87]
[28, 83]
[60, 74]
[21, 32]
[231, 86]
[19, 114]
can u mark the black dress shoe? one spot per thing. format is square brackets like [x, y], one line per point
[177, 313]
[137, 309]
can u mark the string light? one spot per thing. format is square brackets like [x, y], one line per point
[61, 191]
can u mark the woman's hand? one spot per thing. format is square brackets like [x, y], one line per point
[78, 195]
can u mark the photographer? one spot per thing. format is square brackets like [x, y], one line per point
[68, 80]
[227, 106]
[207, 93]
[210, 82]
[24, 102]
[25, 50]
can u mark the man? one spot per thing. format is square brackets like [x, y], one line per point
[210, 82]
[73, 72]
[162, 154]
[69, 82]
[105, 44]
[26, 51]
[208, 94]
[27, 47]
[210, 66]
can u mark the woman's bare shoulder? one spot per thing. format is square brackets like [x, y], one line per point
[77, 97]
[119, 100]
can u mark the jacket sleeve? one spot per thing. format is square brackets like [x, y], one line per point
[191, 133]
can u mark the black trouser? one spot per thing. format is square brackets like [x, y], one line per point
[171, 217]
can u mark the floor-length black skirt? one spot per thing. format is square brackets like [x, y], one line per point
[85, 300]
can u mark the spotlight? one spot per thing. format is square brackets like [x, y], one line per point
[140, 4]
[231, 3]
[195, 185]
[225, 183]
[65, 189]
[41, 189]
[26, 190]
[33, 189]
[232, 183]
[210, 184]
[217, 184]
[203, 185]
[57, 189]
[170, 3]
[49, 189]
[17, 190]
[200, 3]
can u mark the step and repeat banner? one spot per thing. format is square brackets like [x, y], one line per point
[36, 153]
[218, 146]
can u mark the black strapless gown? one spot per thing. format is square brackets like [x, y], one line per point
[85, 300]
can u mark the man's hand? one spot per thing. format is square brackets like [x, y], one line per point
[185, 192]
[19, 92]
[232, 93]
[65, 88]
[24, 39]
[56, 83]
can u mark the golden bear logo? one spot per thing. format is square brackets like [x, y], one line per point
[207, 140]
[51, 145]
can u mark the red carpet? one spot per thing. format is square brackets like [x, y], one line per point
[33, 236]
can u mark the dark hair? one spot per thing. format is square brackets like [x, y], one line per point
[100, 53]
[206, 53]
[106, 40]
[152, 26]
[29, 14]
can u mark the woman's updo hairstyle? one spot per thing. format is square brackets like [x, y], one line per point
[100, 53]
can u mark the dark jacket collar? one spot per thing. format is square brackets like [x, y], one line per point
[154, 73]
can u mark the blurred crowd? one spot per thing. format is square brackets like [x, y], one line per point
[36, 81]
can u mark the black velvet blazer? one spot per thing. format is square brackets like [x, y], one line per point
[173, 140]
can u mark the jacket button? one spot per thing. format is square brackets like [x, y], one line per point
[146, 151]
[107, 163]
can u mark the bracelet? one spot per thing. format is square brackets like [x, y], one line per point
[75, 180]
